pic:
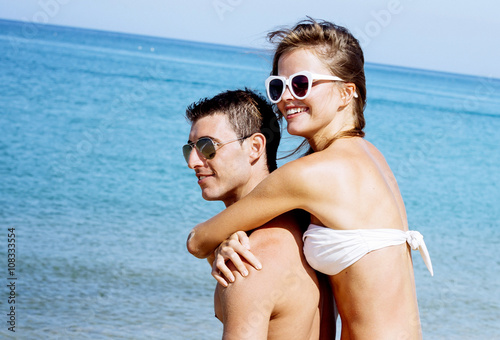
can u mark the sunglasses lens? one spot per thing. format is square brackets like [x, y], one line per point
[300, 85]
[206, 147]
[275, 89]
[203, 145]
[186, 150]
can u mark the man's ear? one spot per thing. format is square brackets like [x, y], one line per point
[257, 144]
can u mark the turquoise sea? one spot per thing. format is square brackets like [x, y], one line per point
[95, 188]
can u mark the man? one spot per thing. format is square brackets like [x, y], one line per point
[232, 147]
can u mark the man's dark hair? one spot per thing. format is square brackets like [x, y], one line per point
[247, 112]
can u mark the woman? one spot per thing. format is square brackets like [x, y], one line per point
[359, 232]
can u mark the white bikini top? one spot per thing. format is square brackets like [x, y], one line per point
[330, 250]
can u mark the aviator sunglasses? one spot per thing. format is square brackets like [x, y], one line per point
[299, 84]
[206, 146]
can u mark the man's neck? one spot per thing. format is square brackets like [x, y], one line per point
[254, 180]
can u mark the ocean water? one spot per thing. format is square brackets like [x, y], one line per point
[93, 182]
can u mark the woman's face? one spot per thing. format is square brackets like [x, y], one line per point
[311, 115]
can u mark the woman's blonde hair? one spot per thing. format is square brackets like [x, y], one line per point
[338, 49]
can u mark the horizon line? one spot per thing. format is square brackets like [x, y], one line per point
[238, 47]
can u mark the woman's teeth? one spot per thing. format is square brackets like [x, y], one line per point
[295, 110]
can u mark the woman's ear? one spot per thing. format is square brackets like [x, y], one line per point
[347, 93]
[257, 143]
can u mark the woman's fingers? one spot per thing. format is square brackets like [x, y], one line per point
[249, 257]
[218, 276]
[243, 238]
[234, 249]
[220, 271]
[238, 263]
[221, 280]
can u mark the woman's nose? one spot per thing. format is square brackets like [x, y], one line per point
[287, 95]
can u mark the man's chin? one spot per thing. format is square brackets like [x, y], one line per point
[207, 196]
[224, 197]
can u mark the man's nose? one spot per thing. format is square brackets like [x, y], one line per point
[194, 159]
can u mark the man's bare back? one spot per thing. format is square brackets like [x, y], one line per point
[284, 297]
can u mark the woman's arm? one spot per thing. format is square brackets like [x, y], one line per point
[281, 191]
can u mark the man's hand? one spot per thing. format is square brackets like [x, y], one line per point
[236, 247]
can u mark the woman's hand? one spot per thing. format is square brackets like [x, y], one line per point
[236, 247]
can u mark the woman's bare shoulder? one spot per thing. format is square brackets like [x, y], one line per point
[337, 162]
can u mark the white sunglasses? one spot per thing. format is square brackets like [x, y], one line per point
[299, 84]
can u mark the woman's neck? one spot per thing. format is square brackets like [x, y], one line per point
[326, 136]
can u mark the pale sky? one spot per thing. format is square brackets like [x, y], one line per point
[445, 35]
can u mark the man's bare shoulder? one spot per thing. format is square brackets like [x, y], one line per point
[281, 235]
[278, 246]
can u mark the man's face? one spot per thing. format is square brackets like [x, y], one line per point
[222, 178]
